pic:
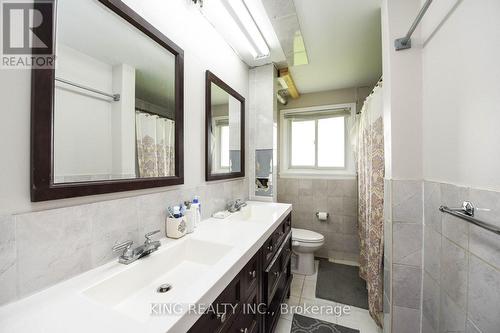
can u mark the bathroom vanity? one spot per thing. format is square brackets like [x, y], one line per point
[242, 260]
[257, 290]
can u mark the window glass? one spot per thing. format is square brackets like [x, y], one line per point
[303, 143]
[331, 142]
[224, 146]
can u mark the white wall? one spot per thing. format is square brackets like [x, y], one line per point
[83, 137]
[204, 49]
[123, 122]
[461, 93]
[402, 90]
[441, 97]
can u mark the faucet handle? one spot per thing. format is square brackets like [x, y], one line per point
[122, 246]
[150, 234]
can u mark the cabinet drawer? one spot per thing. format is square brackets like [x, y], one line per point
[217, 319]
[276, 269]
[250, 276]
[248, 319]
[268, 249]
[274, 241]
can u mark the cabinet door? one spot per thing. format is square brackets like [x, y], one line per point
[250, 276]
[248, 319]
[217, 319]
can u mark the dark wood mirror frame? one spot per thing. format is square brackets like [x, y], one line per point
[209, 79]
[42, 114]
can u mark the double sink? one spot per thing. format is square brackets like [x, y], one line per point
[171, 273]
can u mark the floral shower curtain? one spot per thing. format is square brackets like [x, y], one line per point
[370, 164]
[155, 145]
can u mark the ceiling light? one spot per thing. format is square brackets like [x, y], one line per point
[241, 15]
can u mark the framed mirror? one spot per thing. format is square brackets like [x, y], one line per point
[225, 130]
[109, 116]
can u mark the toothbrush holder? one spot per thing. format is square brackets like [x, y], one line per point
[175, 227]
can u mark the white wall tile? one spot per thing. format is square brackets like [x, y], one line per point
[484, 295]
[8, 259]
[432, 202]
[454, 263]
[407, 244]
[452, 316]
[405, 320]
[407, 201]
[52, 246]
[406, 286]
[432, 252]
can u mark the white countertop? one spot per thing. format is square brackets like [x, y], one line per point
[66, 307]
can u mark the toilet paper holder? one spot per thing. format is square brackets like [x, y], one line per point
[327, 215]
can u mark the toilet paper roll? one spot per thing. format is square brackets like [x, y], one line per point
[322, 216]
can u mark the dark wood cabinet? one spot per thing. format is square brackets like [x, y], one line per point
[248, 321]
[257, 292]
[220, 315]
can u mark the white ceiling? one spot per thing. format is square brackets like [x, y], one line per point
[343, 43]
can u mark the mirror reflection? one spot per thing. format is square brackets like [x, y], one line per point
[226, 134]
[114, 106]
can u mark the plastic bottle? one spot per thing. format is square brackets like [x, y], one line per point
[196, 207]
[189, 217]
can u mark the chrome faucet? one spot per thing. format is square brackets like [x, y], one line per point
[130, 255]
[235, 206]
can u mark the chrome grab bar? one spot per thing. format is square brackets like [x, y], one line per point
[466, 212]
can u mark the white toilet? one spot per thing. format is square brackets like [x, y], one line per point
[304, 244]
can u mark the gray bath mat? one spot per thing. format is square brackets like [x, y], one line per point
[342, 284]
[302, 324]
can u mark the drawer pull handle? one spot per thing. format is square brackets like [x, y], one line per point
[252, 274]
[244, 330]
[270, 248]
[221, 317]
[276, 274]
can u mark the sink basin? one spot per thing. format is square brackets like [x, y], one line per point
[255, 213]
[182, 265]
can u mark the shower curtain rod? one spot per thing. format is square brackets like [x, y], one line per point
[379, 84]
[115, 97]
[405, 42]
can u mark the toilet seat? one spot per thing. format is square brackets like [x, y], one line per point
[306, 236]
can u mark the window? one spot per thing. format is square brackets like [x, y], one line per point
[222, 160]
[224, 146]
[314, 141]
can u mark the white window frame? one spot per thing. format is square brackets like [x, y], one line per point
[289, 171]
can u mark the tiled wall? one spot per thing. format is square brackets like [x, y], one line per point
[42, 248]
[339, 198]
[441, 273]
[461, 280]
[404, 258]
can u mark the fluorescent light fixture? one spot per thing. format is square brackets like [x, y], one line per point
[241, 15]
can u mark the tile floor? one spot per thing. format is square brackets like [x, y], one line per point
[303, 291]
